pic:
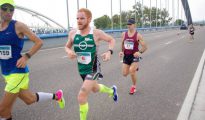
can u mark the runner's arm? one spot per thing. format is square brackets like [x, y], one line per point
[142, 43]
[69, 44]
[23, 30]
[100, 35]
[122, 38]
[105, 37]
[122, 44]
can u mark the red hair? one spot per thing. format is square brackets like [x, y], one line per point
[86, 11]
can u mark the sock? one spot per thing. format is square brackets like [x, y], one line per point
[41, 96]
[104, 89]
[84, 111]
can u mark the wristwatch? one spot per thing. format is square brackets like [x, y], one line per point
[28, 55]
[140, 52]
[111, 51]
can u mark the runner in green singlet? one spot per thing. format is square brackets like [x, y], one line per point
[85, 41]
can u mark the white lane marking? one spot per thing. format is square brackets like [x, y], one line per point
[64, 57]
[169, 42]
[183, 37]
[51, 49]
[157, 36]
[186, 108]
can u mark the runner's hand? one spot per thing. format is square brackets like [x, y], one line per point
[121, 54]
[71, 54]
[106, 56]
[21, 63]
[137, 54]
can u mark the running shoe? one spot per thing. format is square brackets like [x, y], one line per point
[132, 89]
[115, 95]
[60, 99]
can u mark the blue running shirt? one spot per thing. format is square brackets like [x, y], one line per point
[10, 50]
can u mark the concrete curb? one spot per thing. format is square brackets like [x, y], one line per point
[186, 108]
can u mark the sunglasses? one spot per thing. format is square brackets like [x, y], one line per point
[6, 9]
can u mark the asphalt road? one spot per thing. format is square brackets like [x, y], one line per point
[166, 71]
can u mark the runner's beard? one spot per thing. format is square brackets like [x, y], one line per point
[84, 26]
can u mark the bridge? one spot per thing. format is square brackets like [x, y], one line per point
[170, 84]
[166, 73]
[47, 26]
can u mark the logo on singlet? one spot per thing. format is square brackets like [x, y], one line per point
[77, 38]
[88, 39]
[83, 45]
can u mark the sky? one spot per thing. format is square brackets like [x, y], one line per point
[57, 9]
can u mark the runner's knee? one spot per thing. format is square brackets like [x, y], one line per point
[125, 73]
[95, 90]
[82, 96]
[132, 71]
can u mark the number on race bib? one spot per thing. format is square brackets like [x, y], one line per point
[84, 57]
[129, 45]
[5, 52]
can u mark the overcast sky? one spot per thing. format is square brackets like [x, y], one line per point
[56, 9]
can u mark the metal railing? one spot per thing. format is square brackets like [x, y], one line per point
[65, 34]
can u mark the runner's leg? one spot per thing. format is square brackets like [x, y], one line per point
[6, 104]
[133, 75]
[132, 72]
[83, 97]
[28, 97]
[125, 69]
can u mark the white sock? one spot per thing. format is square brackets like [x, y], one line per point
[42, 96]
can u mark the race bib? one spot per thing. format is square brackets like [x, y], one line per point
[84, 57]
[129, 45]
[5, 52]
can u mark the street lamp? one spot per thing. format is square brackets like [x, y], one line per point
[67, 14]
[156, 14]
[150, 14]
[78, 4]
[135, 12]
[142, 13]
[160, 13]
[173, 12]
[120, 16]
[111, 16]
[177, 11]
[86, 4]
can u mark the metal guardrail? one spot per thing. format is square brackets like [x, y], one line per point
[57, 35]
[144, 29]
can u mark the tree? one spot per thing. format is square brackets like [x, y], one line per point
[116, 21]
[179, 22]
[137, 9]
[161, 17]
[165, 17]
[124, 17]
[103, 22]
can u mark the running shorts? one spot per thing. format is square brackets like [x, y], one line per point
[129, 59]
[16, 82]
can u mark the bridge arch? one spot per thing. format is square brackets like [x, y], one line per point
[40, 16]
